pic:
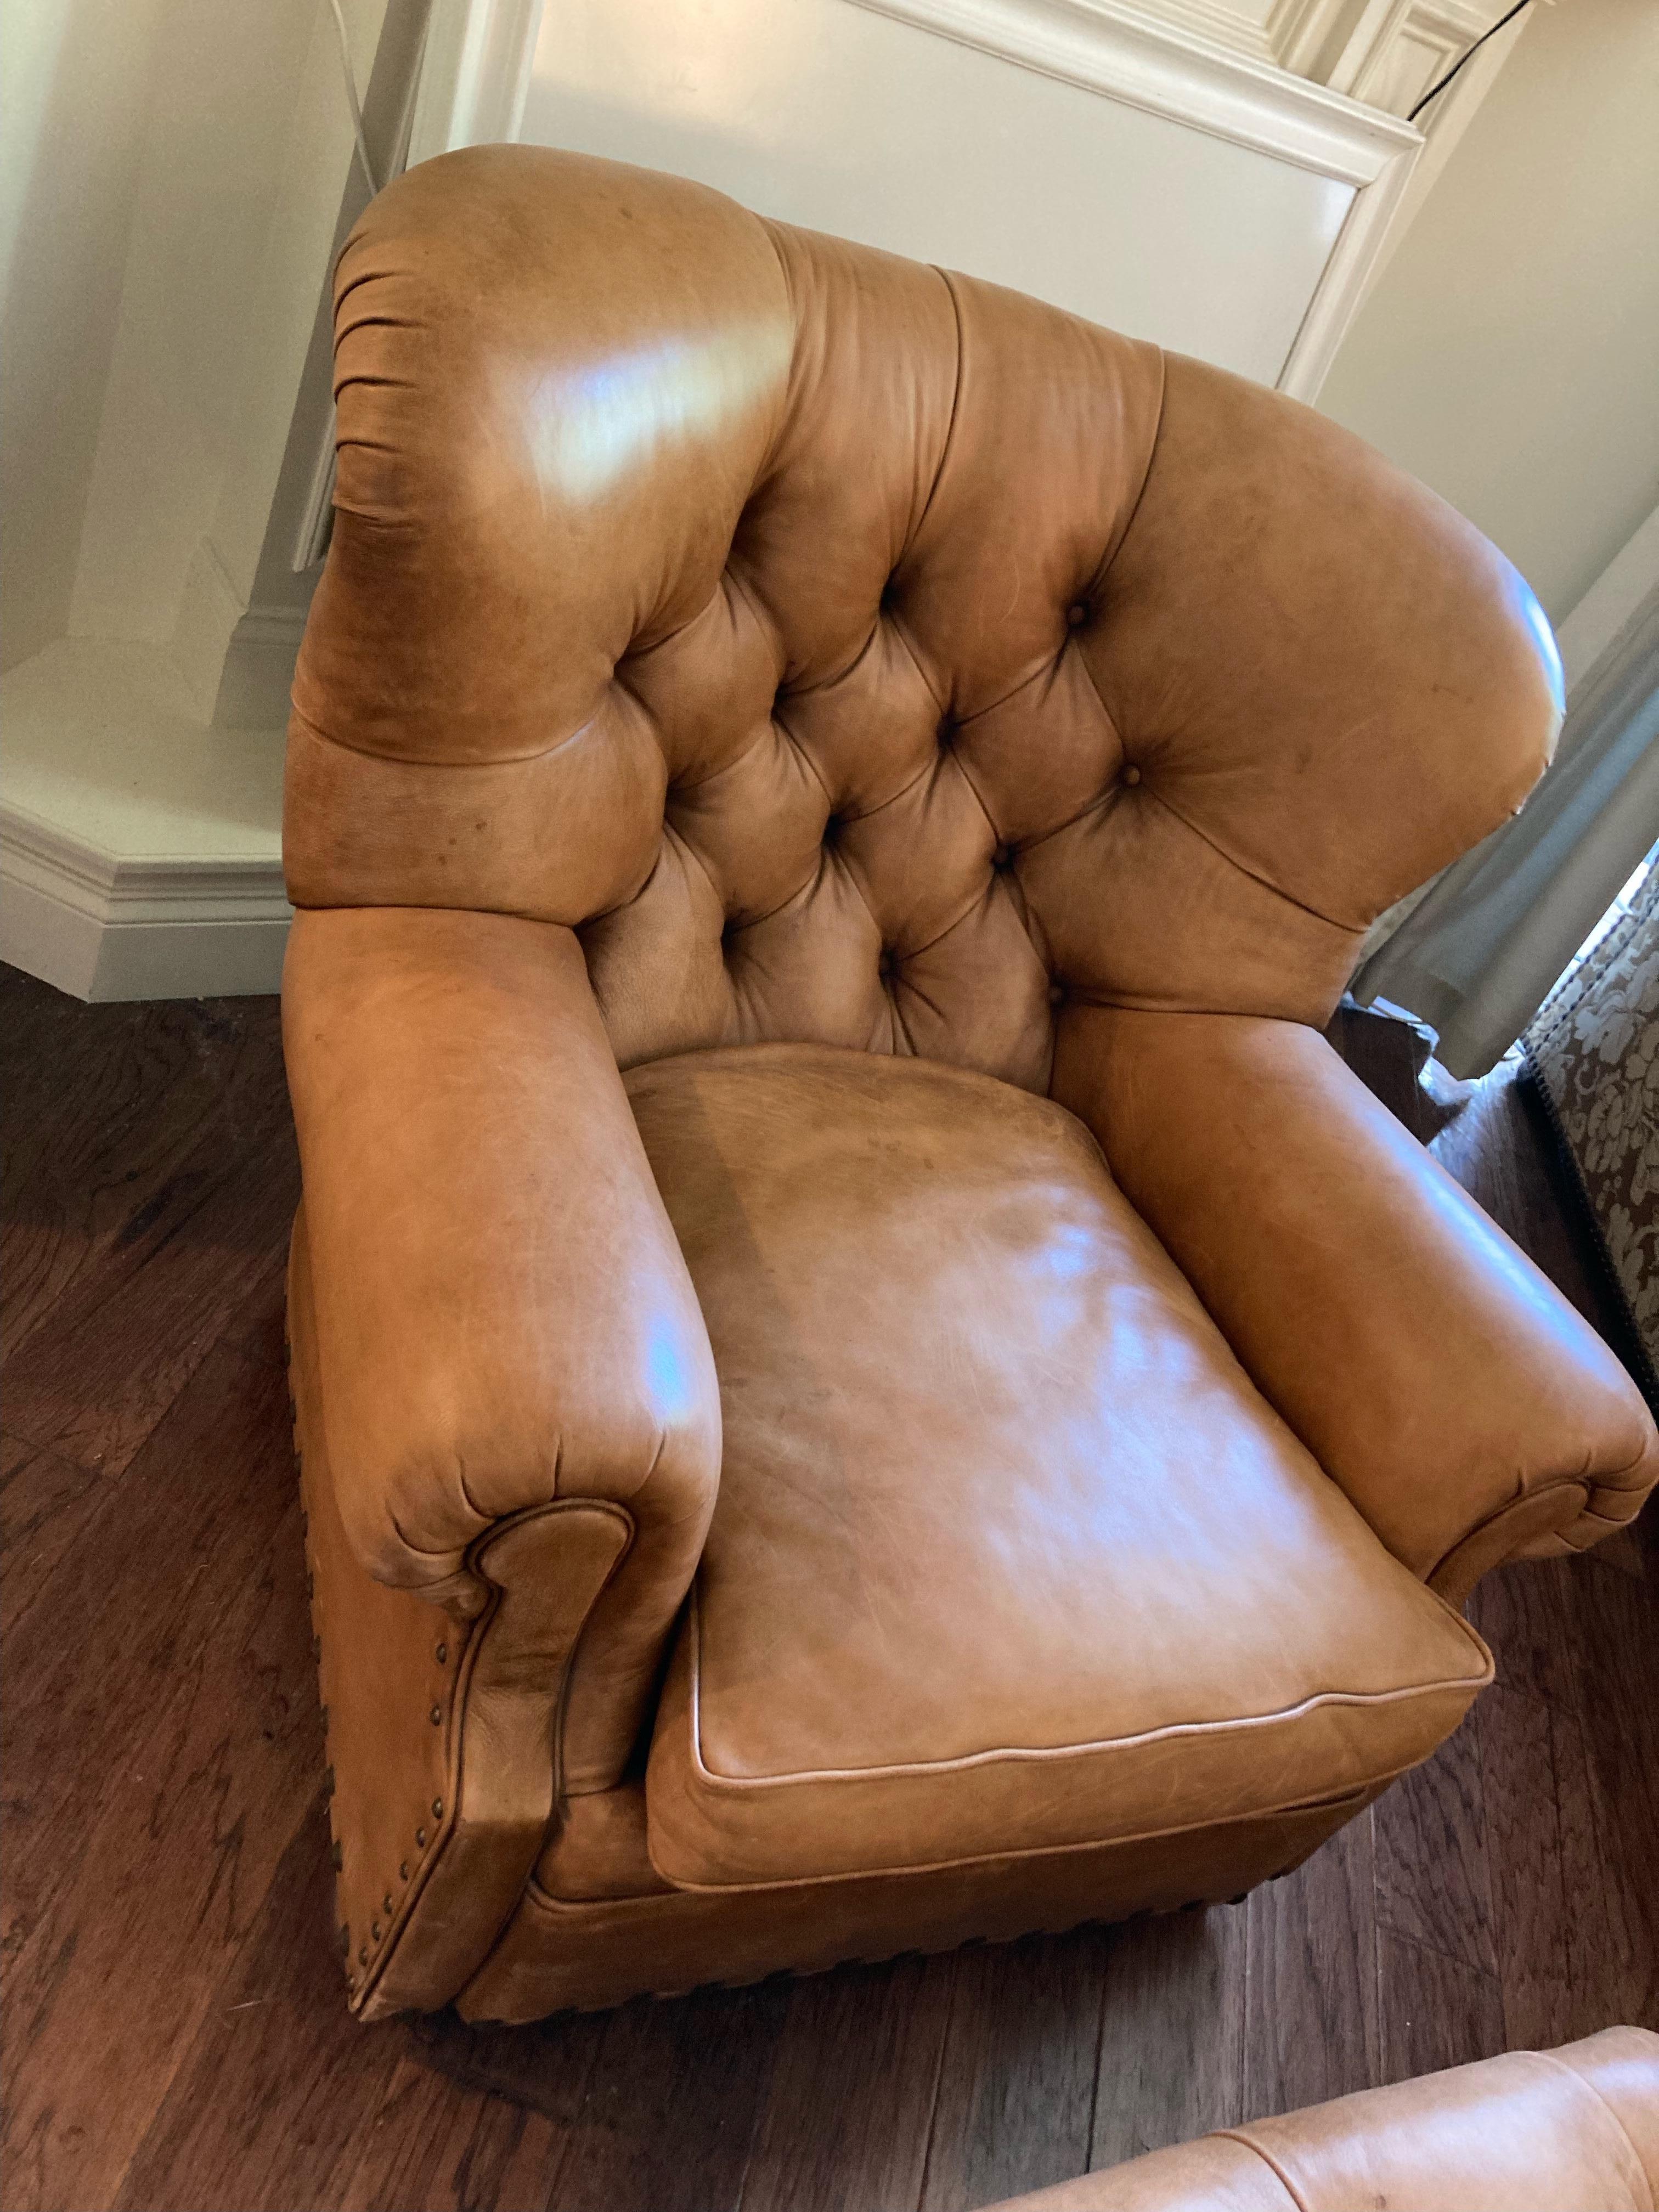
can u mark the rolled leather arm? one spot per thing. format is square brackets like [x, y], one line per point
[1459, 1401]
[503, 1316]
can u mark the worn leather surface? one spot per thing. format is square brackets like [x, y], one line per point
[504, 1320]
[1008, 1552]
[562, 1949]
[859, 654]
[439, 1724]
[734, 638]
[1466, 1409]
[1569, 2130]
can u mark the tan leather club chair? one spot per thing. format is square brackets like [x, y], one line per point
[1569, 2130]
[865, 1377]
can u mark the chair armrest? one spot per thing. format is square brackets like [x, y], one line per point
[1459, 1401]
[504, 1318]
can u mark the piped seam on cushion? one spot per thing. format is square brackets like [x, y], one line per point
[1239, 2136]
[1036, 1753]
[1345, 1801]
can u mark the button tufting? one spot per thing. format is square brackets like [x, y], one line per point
[1077, 613]
[947, 734]
[1131, 774]
[1003, 859]
[885, 963]
[1056, 993]
[888, 598]
[834, 824]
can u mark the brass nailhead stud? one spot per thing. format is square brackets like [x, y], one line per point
[436, 1715]
[1131, 774]
[362, 1954]
[385, 1905]
[419, 1838]
[374, 1930]
[437, 1809]
[443, 1654]
[403, 1871]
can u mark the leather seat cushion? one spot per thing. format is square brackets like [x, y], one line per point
[1008, 1553]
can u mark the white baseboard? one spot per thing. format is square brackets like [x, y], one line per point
[140, 850]
[101, 928]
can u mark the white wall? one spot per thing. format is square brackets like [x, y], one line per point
[73, 80]
[171, 179]
[846, 120]
[1509, 354]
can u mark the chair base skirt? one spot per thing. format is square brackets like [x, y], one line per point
[557, 1954]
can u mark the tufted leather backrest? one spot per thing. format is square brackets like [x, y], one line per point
[857, 654]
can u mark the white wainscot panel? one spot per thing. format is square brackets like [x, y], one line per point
[1115, 167]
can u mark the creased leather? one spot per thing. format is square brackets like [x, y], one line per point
[986, 1462]
[503, 1316]
[1427, 1364]
[1572, 2130]
[560, 1950]
[734, 638]
[860, 654]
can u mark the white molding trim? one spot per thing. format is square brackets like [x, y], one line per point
[1114, 48]
[101, 927]
[475, 75]
[1147, 62]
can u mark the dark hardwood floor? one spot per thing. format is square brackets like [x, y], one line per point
[175, 2034]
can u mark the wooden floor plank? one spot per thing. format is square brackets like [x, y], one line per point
[1533, 1909]
[275, 2096]
[163, 1741]
[103, 1105]
[1525, 1613]
[1017, 2080]
[125, 1339]
[1172, 2031]
[46, 1502]
[849, 2106]
[1436, 2011]
[1311, 2025]
[1433, 1887]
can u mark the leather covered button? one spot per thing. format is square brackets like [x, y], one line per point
[946, 733]
[1056, 993]
[1003, 859]
[1131, 774]
[884, 964]
[1076, 614]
